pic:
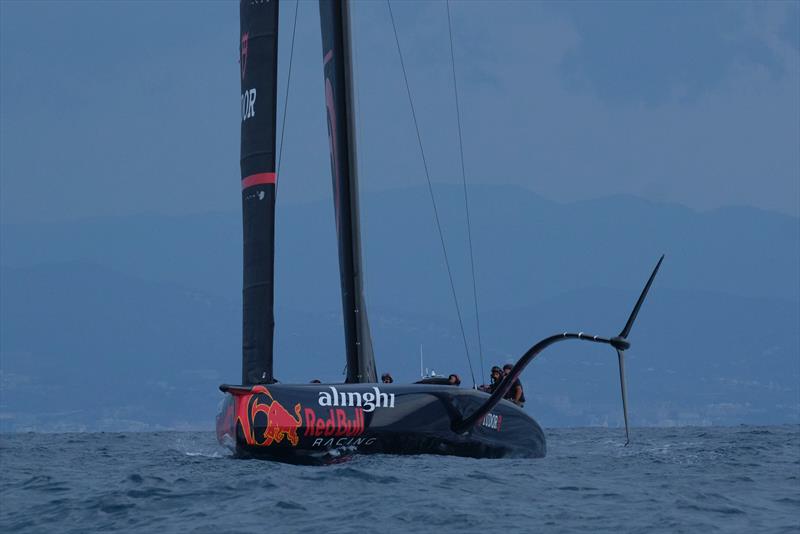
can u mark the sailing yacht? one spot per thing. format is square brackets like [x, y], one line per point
[319, 423]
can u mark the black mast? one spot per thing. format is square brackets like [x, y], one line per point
[336, 53]
[258, 57]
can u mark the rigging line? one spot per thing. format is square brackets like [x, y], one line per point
[433, 199]
[464, 182]
[286, 98]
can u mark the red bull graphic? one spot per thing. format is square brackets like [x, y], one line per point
[259, 410]
[253, 417]
[338, 423]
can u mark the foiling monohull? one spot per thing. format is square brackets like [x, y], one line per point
[319, 423]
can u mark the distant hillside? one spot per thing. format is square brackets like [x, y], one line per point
[526, 249]
[133, 322]
[85, 347]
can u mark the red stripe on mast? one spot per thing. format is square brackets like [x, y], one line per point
[258, 179]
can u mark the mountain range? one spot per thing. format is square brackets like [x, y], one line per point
[132, 322]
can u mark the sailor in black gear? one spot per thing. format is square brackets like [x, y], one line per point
[495, 378]
[515, 393]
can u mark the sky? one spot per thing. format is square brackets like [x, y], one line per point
[133, 107]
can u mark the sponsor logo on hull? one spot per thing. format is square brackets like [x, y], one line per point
[368, 400]
[262, 421]
[330, 443]
[280, 424]
[492, 421]
[338, 423]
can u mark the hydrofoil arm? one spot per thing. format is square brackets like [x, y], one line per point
[620, 343]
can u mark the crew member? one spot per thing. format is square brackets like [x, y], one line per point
[515, 394]
[454, 380]
[386, 378]
[494, 379]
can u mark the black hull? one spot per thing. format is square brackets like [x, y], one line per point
[324, 423]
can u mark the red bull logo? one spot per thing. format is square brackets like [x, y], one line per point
[265, 421]
[338, 423]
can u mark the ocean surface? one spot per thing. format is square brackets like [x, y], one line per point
[690, 479]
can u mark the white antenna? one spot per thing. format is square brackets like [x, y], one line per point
[421, 369]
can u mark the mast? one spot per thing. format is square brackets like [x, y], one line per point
[258, 55]
[336, 53]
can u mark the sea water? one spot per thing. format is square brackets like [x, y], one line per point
[690, 479]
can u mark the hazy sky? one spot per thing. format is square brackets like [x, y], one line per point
[130, 107]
